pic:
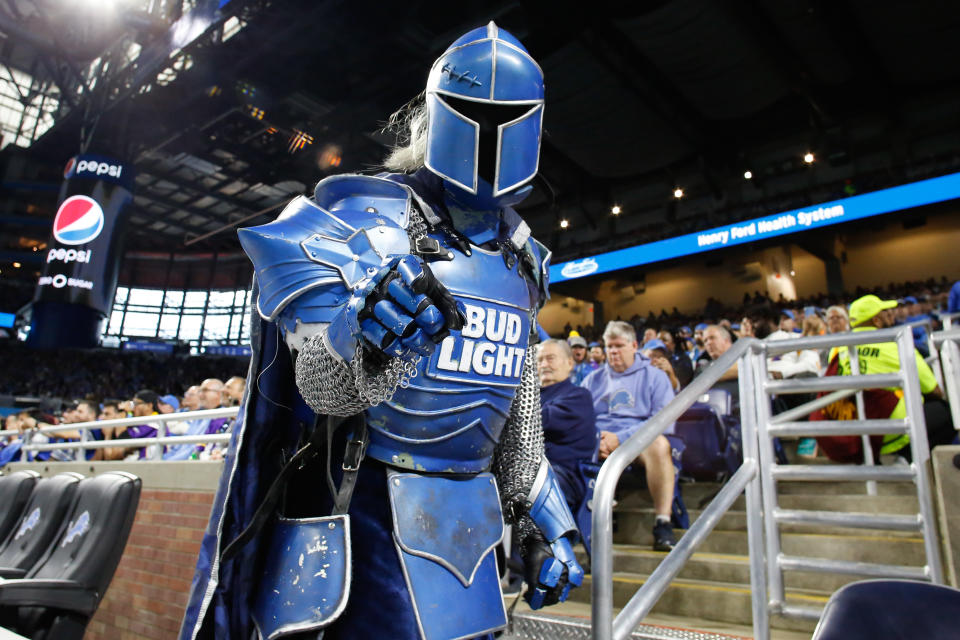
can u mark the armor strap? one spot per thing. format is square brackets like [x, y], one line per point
[269, 502]
[353, 455]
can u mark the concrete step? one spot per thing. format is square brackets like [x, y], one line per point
[693, 492]
[716, 601]
[635, 526]
[794, 498]
[719, 567]
[656, 626]
[854, 548]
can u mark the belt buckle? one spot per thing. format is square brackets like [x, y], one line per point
[353, 455]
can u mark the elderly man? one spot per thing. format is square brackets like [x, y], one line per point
[837, 320]
[211, 395]
[627, 392]
[233, 391]
[191, 399]
[569, 424]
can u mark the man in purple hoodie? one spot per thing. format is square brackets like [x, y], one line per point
[627, 391]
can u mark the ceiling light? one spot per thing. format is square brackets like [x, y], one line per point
[564, 224]
[678, 193]
[747, 175]
[808, 158]
[16, 265]
[792, 272]
[615, 210]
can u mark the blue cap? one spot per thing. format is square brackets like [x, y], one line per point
[172, 401]
[909, 300]
[809, 311]
[595, 344]
[654, 343]
[702, 326]
[788, 313]
[735, 326]
[686, 329]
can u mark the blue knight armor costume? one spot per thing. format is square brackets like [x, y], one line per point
[391, 423]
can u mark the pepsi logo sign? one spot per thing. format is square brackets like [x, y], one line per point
[79, 220]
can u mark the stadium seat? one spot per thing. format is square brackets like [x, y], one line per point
[719, 400]
[15, 489]
[58, 596]
[704, 434]
[891, 610]
[39, 523]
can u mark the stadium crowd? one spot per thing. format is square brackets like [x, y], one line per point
[75, 386]
[598, 388]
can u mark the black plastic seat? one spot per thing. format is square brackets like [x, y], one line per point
[41, 520]
[891, 610]
[60, 594]
[15, 489]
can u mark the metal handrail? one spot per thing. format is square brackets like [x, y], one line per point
[949, 341]
[160, 439]
[603, 624]
[906, 378]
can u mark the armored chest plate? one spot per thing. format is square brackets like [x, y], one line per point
[450, 416]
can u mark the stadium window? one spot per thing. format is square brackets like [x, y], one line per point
[196, 318]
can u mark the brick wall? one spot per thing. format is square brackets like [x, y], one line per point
[149, 591]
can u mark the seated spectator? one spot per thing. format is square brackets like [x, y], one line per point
[837, 320]
[87, 411]
[698, 350]
[627, 392]
[656, 351]
[569, 428]
[793, 364]
[788, 322]
[597, 357]
[717, 341]
[168, 404]
[678, 359]
[870, 313]
[581, 367]
[913, 312]
[233, 391]
[211, 396]
[191, 399]
[28, 423]
[144, 404]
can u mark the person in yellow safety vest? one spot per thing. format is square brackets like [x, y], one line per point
[870, 313]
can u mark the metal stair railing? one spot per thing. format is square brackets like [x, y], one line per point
[604, 626]
[949, 343]
[787, 423]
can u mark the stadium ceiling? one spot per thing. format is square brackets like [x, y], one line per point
[643, 97]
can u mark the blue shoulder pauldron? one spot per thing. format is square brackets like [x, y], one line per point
[317, 250]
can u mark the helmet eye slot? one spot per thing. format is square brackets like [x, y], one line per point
[489, 116]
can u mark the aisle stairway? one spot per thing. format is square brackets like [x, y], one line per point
[714, 587]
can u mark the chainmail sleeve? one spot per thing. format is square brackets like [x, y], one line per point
[331, 386]
[334, 387]
[517, 456]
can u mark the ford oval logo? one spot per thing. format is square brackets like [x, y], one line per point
[579, 268]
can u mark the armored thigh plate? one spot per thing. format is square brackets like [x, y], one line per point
[306, 577]
[446, 530]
